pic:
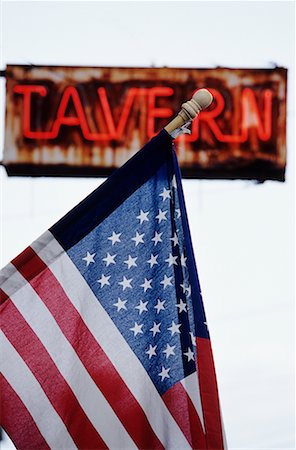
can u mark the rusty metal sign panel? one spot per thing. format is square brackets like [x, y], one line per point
[72, 121]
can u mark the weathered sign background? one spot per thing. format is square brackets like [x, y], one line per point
[87, 121]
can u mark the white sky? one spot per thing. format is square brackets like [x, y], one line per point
[243, 233]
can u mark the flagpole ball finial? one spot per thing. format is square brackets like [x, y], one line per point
[201, 99]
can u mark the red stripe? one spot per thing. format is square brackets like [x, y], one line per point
[24, 262]
[18, 422]
[209, 394]
[89, 351]
[182, 409]
[58, 392]
[3, 297]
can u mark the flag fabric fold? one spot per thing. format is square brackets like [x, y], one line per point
[104, 338]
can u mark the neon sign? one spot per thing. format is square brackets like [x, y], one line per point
[244, 119]
[249, 107]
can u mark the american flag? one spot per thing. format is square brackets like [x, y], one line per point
[104, 337]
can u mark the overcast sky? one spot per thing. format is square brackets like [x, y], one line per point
[242, 232]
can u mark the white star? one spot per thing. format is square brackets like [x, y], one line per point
[183, 286]
[120, 304]
[169, 351]
[188, 290]
[155, 329]
[142, 307]
[166, 193]
[131, 262]
[109, 259]
[143, 216]
[175, 240]
[192, 338]
[89, 258]
[137, 329]
[160, 306]
[166, 281]
[164, 373]
[104, 280]
[161, 215]
[172, 260]
[125, 283]
[183, 260]
[182, 306]
[157, 238]
[138, 238]
[114, 238]
[178, 211]
[174, 328]
[152, 260]
[189, 354]
[151, 352]
[174, 182]
[146, 285]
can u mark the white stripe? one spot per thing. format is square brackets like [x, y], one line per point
[115, 346]
[89, 396]
[224, 435]
[8, 282]
[42, 242]
[33, 397]
[6, 272]
[191, 386]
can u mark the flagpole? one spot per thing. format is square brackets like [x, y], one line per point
[190, 109]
